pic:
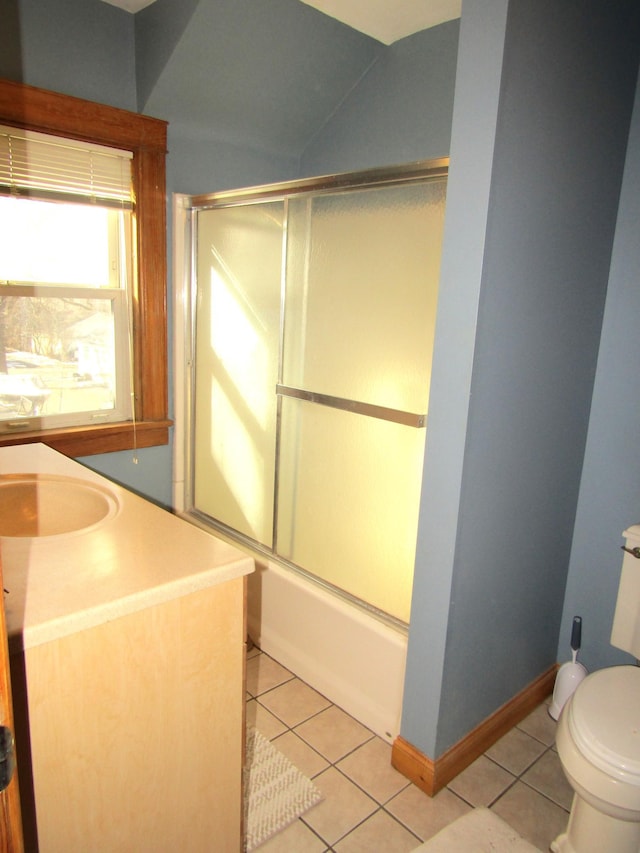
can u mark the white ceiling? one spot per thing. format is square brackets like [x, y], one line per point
[130, 5]
[389, 20]
[384, 20]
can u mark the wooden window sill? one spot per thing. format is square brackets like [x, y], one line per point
[90, 440]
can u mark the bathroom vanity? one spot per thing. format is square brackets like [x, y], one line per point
[126, 635]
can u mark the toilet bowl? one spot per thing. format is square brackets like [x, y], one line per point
[598, 742]
[598, 735]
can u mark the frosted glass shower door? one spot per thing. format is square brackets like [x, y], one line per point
[313, 334]
[362, 283]
[239, 270]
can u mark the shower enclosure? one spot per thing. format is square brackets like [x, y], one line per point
[313, 331]
[310, 312]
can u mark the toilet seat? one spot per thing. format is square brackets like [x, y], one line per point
[603, 718]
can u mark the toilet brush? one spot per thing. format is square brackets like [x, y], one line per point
[570, 674]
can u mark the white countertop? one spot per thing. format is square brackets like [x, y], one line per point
[140, 555]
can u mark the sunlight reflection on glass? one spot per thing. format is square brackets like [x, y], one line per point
[237, 360]
[232, 325]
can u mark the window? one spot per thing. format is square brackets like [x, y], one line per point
[82, 325]
[66, 281]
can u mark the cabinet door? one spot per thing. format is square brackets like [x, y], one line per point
[150, 732]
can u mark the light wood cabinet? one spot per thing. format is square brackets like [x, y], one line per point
[136, 730]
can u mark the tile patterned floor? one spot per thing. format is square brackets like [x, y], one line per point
[368, 806]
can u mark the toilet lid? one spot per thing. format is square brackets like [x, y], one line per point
[604, 721]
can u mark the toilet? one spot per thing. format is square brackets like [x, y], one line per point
[598, 736]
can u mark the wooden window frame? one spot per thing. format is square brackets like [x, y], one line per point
[62, 115]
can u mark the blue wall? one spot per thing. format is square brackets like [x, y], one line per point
[566, 90]
[515, 443]
[244, 85]
[610, 489]
[399, 112]
[468, 203]
[80, 48]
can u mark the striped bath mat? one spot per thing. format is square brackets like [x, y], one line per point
[275, 792]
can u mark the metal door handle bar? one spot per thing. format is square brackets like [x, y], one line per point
[370, 410]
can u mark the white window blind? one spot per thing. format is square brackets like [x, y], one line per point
[37, 165]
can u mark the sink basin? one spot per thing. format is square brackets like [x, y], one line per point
[34, 505]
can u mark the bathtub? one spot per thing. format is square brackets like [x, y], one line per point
[342, 651]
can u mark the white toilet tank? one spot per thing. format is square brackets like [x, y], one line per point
[626, 621]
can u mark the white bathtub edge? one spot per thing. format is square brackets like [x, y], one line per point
[352, 658]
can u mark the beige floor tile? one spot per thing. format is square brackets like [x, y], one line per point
[535, 817]
[482, 782]
[349, 820]
[370, 768]
[264, 673]
[424, 815]
[547, 777]
[306, 759]
[294, 702]
[263, 720]
[296, 838]
[333, 733]
[380, 833]
[540, 725]
[343, 808]
[516, 751]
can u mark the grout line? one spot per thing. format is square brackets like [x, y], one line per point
[381, 807]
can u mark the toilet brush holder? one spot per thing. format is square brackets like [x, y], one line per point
[569, 675]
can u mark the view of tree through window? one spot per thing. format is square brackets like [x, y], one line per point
[57, 356]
